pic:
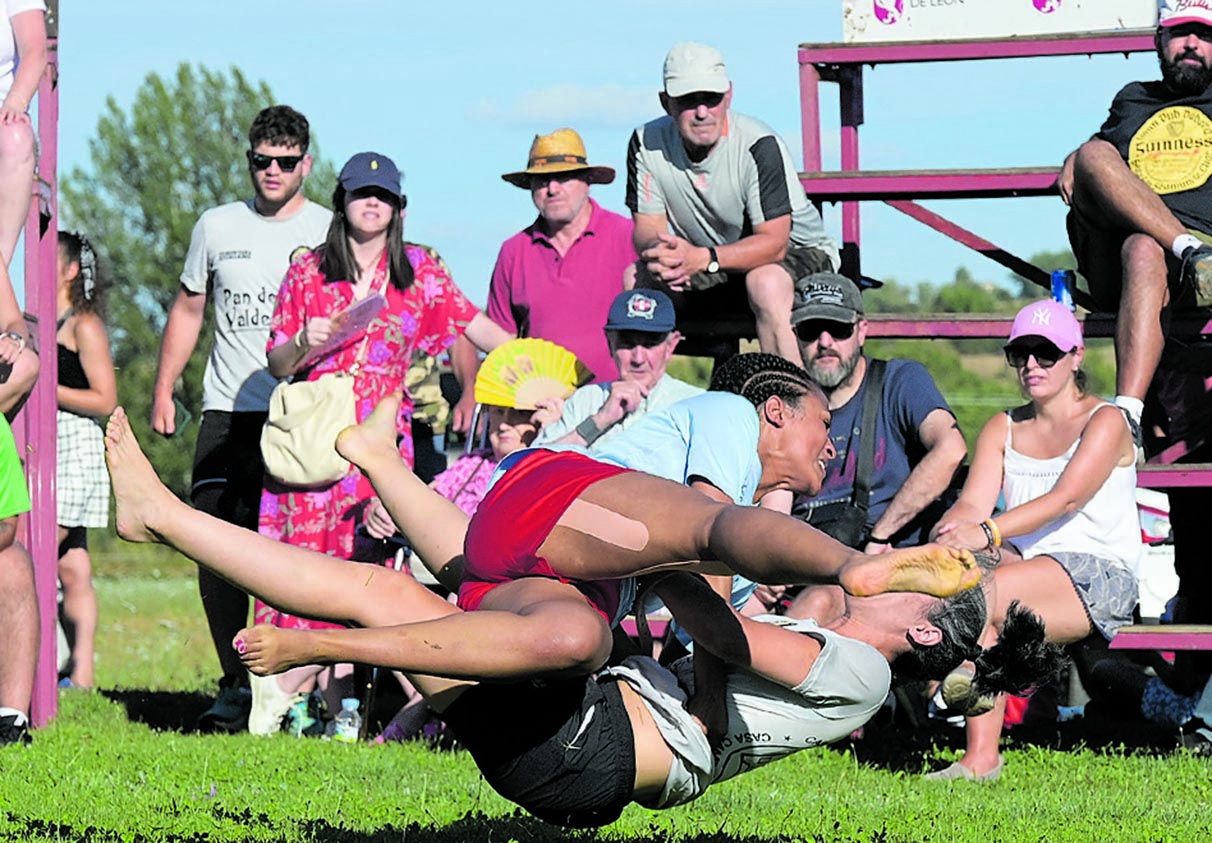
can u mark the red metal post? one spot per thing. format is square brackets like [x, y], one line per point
[38, 418]
[810, 117]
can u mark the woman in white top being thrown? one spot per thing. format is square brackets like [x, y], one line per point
[1069, 536]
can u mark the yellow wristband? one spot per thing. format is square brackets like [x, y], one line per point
[996, 532]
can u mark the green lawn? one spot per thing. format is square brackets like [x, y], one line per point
[123, 764]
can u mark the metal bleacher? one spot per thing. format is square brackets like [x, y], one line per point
[843, 64]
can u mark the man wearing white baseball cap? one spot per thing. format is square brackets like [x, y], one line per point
[1141, 199]
[1141, 221]
[716, 199]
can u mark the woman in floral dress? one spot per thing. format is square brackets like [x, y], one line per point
[364, 255]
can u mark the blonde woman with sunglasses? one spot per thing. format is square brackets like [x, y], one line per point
[1069, 536]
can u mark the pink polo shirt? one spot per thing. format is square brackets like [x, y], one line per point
[536, 293]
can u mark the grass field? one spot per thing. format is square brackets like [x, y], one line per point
[124, 764]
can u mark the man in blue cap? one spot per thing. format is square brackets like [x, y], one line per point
[642, 335]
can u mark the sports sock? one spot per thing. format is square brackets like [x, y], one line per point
[1133, 406]
[1183, 242]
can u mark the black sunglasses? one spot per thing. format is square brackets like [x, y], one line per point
[260, 161]
[1046, 355]
[810, 330]
[693, 100]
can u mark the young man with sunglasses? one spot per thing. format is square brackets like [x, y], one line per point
[918, 444]
[238, 254]
[716, 200]
[641, 332]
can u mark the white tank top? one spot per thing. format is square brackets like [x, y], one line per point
[1108, 526]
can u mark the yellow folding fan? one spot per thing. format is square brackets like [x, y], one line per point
[521, 372]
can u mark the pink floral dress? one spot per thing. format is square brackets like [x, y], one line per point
[428, 316]
[466, 482]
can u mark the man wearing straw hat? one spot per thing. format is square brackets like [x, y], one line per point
[556, 278]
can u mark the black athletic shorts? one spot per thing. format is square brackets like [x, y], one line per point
[562, 749]
[228, 471]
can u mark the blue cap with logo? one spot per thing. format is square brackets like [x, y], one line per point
[370, 169]
[641, 310]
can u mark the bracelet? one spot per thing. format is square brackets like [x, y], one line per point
[589, 431]
[995, 533]
[988, 534]
[299, 340]
[873, 539]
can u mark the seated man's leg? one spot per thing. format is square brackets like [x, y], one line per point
[1116, 213]
[20, 641]
[16, 183]
[771, 293]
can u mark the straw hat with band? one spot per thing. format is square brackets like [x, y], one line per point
[562, 151]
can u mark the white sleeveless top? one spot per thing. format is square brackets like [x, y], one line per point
[1108, 526]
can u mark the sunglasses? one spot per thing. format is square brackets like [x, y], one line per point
[1046, 355]
[810, 330]
[691, 101]
[260, 161]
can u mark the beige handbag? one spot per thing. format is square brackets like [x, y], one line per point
[298, 441]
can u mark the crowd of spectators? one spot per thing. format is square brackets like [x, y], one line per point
[1047, 508]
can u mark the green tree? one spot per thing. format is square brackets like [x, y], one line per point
[153, 171]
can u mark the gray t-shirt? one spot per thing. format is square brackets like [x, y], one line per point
[239, 257]
[747, 179]
[767, 721]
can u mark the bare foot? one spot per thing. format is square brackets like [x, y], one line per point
[930, 569]
[367, 444]
[138, 493]
[266, 649]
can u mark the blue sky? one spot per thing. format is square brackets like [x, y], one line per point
[455, 91]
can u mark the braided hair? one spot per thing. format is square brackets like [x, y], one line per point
[87, 290]
[757, 376]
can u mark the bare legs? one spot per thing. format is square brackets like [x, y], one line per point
[1041, 585]
[16, 182]
[1110, 197]
[297, 580]
[20, 641]
[771, 293]
[79, 612]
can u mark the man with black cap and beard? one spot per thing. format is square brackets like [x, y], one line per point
[1141, 217]
[917, 444]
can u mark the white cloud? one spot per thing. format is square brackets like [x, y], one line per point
[602, 107]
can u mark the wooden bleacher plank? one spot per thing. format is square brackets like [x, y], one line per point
[844, 185]
[1163, 637]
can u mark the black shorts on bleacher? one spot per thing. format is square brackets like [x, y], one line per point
[562, 749]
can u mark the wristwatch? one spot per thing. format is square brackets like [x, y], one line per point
[713, 265]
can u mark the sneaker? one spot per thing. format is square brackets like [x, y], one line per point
[229, 712]
[960, 695]
[11, 733]
[1197, 273]
[270, 705]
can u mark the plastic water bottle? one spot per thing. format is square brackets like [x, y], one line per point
[1062, 286]
[348, 721]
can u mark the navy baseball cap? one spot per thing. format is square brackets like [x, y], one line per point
[641, 310]
[370, 169]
